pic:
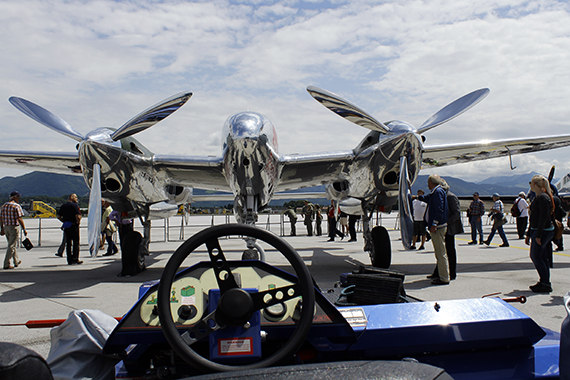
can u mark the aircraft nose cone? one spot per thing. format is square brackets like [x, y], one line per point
[245, 125]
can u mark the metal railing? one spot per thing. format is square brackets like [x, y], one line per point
[44, 231]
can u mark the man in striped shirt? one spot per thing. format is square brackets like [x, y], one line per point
[11, 218]
[475, 212]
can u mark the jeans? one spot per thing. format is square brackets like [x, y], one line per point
[72, 243]
[521, 226]
[539, 254]
[498, 226]
[111, 247]
[476, 226]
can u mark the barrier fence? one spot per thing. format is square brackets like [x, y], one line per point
[42, 231]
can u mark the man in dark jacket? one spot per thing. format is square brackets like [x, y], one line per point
[454, 227]
[70, 215]
[436, 216]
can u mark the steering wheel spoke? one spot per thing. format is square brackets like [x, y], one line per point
[224, 275]
[202, 329]
[266, 298]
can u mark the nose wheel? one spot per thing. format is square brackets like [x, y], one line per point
[236, 305]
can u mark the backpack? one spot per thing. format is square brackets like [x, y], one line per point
[515, 210]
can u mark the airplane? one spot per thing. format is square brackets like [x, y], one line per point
[376, 175]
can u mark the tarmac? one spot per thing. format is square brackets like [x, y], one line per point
[45, 287]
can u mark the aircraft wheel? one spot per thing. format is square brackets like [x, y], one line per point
[250, 254]
[255, 253]
[381, 253]
[226, 315]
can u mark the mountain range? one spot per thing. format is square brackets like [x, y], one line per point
[37, 184]
[504, 185]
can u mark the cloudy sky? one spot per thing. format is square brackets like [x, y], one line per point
[98, 63]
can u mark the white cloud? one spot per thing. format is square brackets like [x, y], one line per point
[100, 63]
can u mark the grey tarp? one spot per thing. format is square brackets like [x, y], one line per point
[77, 346]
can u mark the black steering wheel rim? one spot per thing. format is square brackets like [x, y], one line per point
[305, 282]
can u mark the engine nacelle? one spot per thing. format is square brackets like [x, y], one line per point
[162, 210]
[337, 190]
[351, 206]
[178, 194]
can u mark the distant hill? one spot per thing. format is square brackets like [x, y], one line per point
[56, 185]
[519, 180]
[502, 185]
[46, 184]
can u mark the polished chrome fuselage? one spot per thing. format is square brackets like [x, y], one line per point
[251, 167]
[250, 160]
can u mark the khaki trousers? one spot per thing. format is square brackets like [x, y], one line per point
[438, 240]
[12, 233]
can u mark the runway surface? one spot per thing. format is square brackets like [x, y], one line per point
[45, 287]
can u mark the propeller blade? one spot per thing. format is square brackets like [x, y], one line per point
[405, 205]
[94, 216]
[346, 109]
[551, 174]
[151, 116]
[453, 109]
[45, 117]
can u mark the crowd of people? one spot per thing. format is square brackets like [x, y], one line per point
[69, 214]
[313, 217]
[436, 217]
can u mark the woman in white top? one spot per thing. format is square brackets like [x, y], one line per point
[522, 218]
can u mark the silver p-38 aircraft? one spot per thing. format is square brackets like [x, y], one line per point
[375, 175]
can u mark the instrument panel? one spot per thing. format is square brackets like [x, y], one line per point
[189, 297]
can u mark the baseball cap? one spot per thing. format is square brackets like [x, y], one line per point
[496, 195]
[476, 193]
[14, 194]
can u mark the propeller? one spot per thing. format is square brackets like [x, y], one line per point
[45, 117]
[346, 109]
[140, 122]
[94, 216]
[354, 114]
[151, 116]
[551, 174]
[453, 109]
[405, 205]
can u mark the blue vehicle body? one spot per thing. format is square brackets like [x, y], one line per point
[484, 338]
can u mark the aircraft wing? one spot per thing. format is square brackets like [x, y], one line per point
[458, 153]
[65, 163]
[230, 196]
[201, 172]
[312, 170]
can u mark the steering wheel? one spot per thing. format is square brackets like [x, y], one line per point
[236, 306]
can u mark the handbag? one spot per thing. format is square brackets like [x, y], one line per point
[558, 229]
[27, 244]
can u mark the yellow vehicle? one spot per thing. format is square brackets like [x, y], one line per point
[43, 210]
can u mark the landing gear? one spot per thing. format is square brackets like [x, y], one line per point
[381, 253]
[248, 215]
[254, 251]
[143, 212]
[376, 242]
